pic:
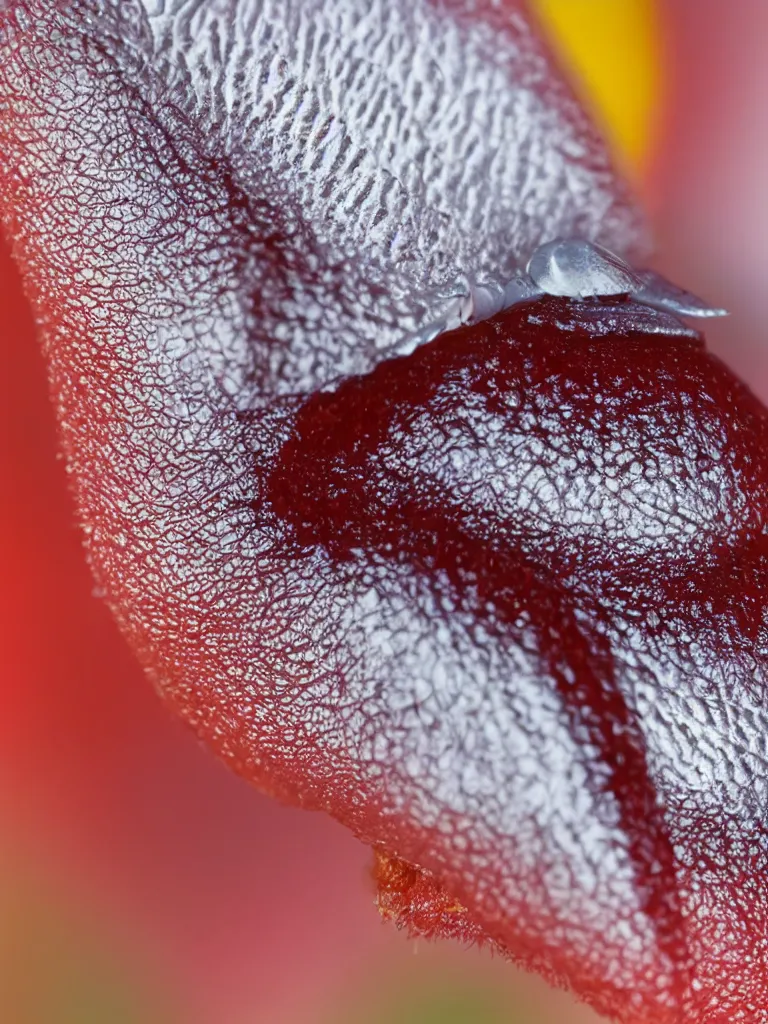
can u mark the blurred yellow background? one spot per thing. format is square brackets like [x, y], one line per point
[614, 53]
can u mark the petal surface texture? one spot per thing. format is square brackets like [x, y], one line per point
[496, 604]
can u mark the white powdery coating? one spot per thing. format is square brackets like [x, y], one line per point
[418, 152]
[404, 152]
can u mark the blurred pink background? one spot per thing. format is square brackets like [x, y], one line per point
[709, 184]
[139, 881]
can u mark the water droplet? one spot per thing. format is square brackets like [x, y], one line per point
[580, 269]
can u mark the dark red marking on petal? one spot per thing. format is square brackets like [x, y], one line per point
[350, 479]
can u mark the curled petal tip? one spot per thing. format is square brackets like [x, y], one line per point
[657, 291]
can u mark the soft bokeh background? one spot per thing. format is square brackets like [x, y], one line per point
[139, 882]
